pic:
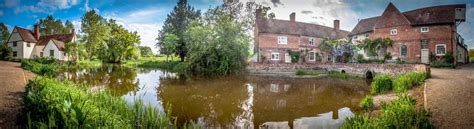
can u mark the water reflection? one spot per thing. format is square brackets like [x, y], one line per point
[235, 101]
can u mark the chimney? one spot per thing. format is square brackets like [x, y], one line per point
[36, 32]
[336, 24]
[292, 17]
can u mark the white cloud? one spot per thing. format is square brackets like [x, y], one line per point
[47, 6]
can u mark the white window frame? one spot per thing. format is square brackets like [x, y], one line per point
[393, 32]
[401, 50]
[312, 41]
[427, 29]
[282, 40]
[277, 55]
[314, 56]
[436, 49]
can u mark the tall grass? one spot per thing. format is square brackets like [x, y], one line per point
[367, 103]
[405, 82]
[50, 66]
[53, 104]
[381, 83]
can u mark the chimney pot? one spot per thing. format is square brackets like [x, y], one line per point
[292, 17]
[336, 24]
[36, 32]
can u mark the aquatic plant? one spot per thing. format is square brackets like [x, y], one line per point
[381, 83]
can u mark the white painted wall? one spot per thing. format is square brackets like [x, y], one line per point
[37, 50]
[356, 39]
[15, 36]
[28, 51]
[57, 53]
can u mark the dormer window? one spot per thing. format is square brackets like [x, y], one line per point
[311, 41]
[282, 40]
[424, 29]
[393, 32]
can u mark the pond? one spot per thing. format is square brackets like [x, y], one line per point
[244, 101]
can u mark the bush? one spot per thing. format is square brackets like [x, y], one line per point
[448, 58]
[438, 64]
[406, 81]
[54, 104]
[300, 72]
[6, 52]
[381, 84]
[42, 66]
[367, 103]
[400, 114]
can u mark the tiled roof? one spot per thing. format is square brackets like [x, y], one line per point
[26, 35]
[59, 44]
[276, 26]
[60, 37]
[424, 16]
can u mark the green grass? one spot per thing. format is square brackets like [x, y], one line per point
[381, 83]
[406, 81]
[50, 66]
[49, 103]
[399, 114]
[367, 102]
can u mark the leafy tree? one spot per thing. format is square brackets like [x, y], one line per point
[132, 53]
[72, 51]
[68, 27]
[168, 44]
[218, 44]
[177, 23]
[50, 25]
[376, 46]
[145, 51]
[4, 33]
[336, 48]
[6, 52]
[96, 32]
[120, 41]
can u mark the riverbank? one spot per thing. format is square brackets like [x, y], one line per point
[12, 81]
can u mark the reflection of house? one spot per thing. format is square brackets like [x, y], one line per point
[417, 33]
[329, 120]
[28, 44]
[274, 38]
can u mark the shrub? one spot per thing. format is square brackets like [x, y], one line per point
[42, 66]
[300, 72]
[408, 80]
[358, 122]
[439, 64]
[360, 58]
[54, 104]
[448, 58]
[381, 84]
[367, 103]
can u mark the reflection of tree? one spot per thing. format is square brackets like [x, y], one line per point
[214, 101]
[285, 99]
[118, 79]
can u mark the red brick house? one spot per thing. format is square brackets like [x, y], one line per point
[418, 33]
[275, 38]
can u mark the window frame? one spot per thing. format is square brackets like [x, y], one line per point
[314, 56]
[436, 49]
[14, 43]
[51, 53]
[15, 54]
[427, 44]
[427, 29]
[282, 40]
[311, 41]
[393, 31]
[28, 45]
[277, 55]
[401, 53]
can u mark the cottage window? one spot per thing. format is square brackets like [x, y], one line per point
[424, 44]
[41, 54]
[403, 51]
[15, 53]
[311, 41]
[366, 35]
[282, 40]
[51, 53]
[393, 32]
[14, 43]
[424, 29]
[28, 45]
[440, 49]
[275, 56]
[312, 56]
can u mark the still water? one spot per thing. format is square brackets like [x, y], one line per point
[245, 101]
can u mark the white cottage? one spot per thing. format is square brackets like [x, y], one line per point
[28, 44]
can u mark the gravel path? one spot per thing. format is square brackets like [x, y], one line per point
[450, 97]
[12, 84]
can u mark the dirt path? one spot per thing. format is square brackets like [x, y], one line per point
[12, 84]
[450, 97]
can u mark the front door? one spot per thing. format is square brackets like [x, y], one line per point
[425, 56]
[287, 58]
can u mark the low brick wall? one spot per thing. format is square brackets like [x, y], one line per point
[353, 68]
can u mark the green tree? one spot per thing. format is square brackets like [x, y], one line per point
[120, 41]
[96, 32]
[376, 47]
[4, 33]
[177, 23]
[132, 53]
[145, 51]
[50, 26]
[68, 27]
[218, 44]
[168, 44]
[72, 51]
[334, 47]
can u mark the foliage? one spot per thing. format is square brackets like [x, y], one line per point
[367, 102]
[381, 83]
[360, 59]
[339, 49]
[303, 72]
[56, 104]
[161, 63]
[72, 50]
[400, 114]
[4, 34]
[387, 56]
[372, 47]
[50, 66]
[442, 64]
[120, 44]
[471, 54]
[448, 58]
[145, 51]
[96, 32]
[295, 56]
[6, 52]
[342, 75]
[50, 26]
[408, 80]
[177, 23]
[218, 44]
[168, 44]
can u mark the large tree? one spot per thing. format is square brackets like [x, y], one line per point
[5, 51]
[4, 33]
[96, 32]
[121, 43]
[145, 51]
[177, 23]
[50, 25]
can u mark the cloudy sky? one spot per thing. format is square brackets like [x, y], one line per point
[147, 16]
